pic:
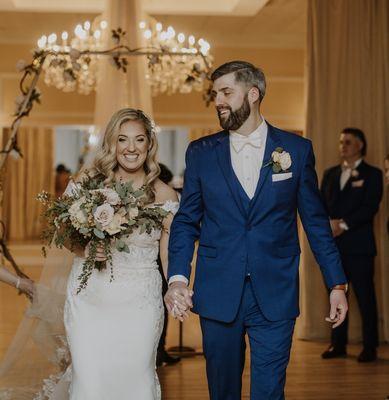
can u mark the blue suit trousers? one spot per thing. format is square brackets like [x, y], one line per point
[224, 348]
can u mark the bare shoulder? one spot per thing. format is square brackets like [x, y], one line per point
[164, 192]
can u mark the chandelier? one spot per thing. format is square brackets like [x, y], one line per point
[176, 63]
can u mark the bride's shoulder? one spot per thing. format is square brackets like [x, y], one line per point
[164, 193]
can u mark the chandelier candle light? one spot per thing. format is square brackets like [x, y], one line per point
[176, 63]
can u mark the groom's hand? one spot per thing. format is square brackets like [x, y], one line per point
[178, 300]
[339, 307]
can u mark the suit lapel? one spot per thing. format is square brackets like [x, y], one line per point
[336, 182]
[272, 142]
[224, 159]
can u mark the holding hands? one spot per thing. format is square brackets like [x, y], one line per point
[178, 300]
[336, 227]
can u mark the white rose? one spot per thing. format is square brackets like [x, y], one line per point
[276, 156]
[80, 216]
[133, 213]
[354, 173]
[111, 196]
[285, 160]
[116, 224]
[104, 214]
[76, 213]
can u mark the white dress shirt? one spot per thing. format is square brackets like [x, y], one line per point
[346, 172]
[247, 157]
[344, 177]
[247, 154]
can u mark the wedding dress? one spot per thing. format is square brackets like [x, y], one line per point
[112, 329]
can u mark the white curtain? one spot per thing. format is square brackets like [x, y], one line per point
[347, 85]
[117, 89]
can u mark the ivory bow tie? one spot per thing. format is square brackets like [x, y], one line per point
[238, 143]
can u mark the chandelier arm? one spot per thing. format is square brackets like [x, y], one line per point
[21, 83]
[141, 51]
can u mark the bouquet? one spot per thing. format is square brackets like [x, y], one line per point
[98, 214]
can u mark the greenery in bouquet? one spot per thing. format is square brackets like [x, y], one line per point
[98, 215]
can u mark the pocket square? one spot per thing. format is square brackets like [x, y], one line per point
[281, 177]
[358, 183]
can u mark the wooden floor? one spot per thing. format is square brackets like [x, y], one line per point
[309, 377]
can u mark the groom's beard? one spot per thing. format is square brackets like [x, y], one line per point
[236, 118]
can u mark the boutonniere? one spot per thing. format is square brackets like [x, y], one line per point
[280, 161]
[354, 173]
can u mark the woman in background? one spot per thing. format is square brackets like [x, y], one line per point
[23, 284]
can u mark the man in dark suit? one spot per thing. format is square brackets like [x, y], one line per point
[352, 192]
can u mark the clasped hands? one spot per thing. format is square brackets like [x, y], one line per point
[337, 230]
[178, 300]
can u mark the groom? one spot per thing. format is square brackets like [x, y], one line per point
[243, 188]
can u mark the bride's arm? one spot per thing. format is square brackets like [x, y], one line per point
[165, 194]
[164, 242]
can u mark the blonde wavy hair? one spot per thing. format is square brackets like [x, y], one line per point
[105, 162]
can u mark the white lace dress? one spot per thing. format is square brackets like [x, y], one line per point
[113, 328]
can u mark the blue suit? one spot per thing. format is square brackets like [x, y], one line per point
[241, 238]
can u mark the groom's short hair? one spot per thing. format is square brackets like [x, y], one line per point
[244, 72]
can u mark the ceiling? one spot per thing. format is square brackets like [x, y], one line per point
[228, 23]
[179, 7]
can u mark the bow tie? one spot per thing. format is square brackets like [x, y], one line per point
[239, 143]
[346, 167]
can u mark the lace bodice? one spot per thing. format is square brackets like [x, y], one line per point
[137, 263]
[143, 247]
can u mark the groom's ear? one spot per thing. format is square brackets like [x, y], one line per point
[253, 94]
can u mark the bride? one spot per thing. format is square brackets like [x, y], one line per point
[112, 328]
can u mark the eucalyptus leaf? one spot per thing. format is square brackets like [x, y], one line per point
[277, 168]
[120, 245]
[118, 186]
[138, 193]
[98, 233]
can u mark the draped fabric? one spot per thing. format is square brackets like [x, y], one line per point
[347, 85]
[24, 179]
[117, 89]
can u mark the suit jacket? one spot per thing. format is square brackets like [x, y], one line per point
[263, 239]
[356, 204]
